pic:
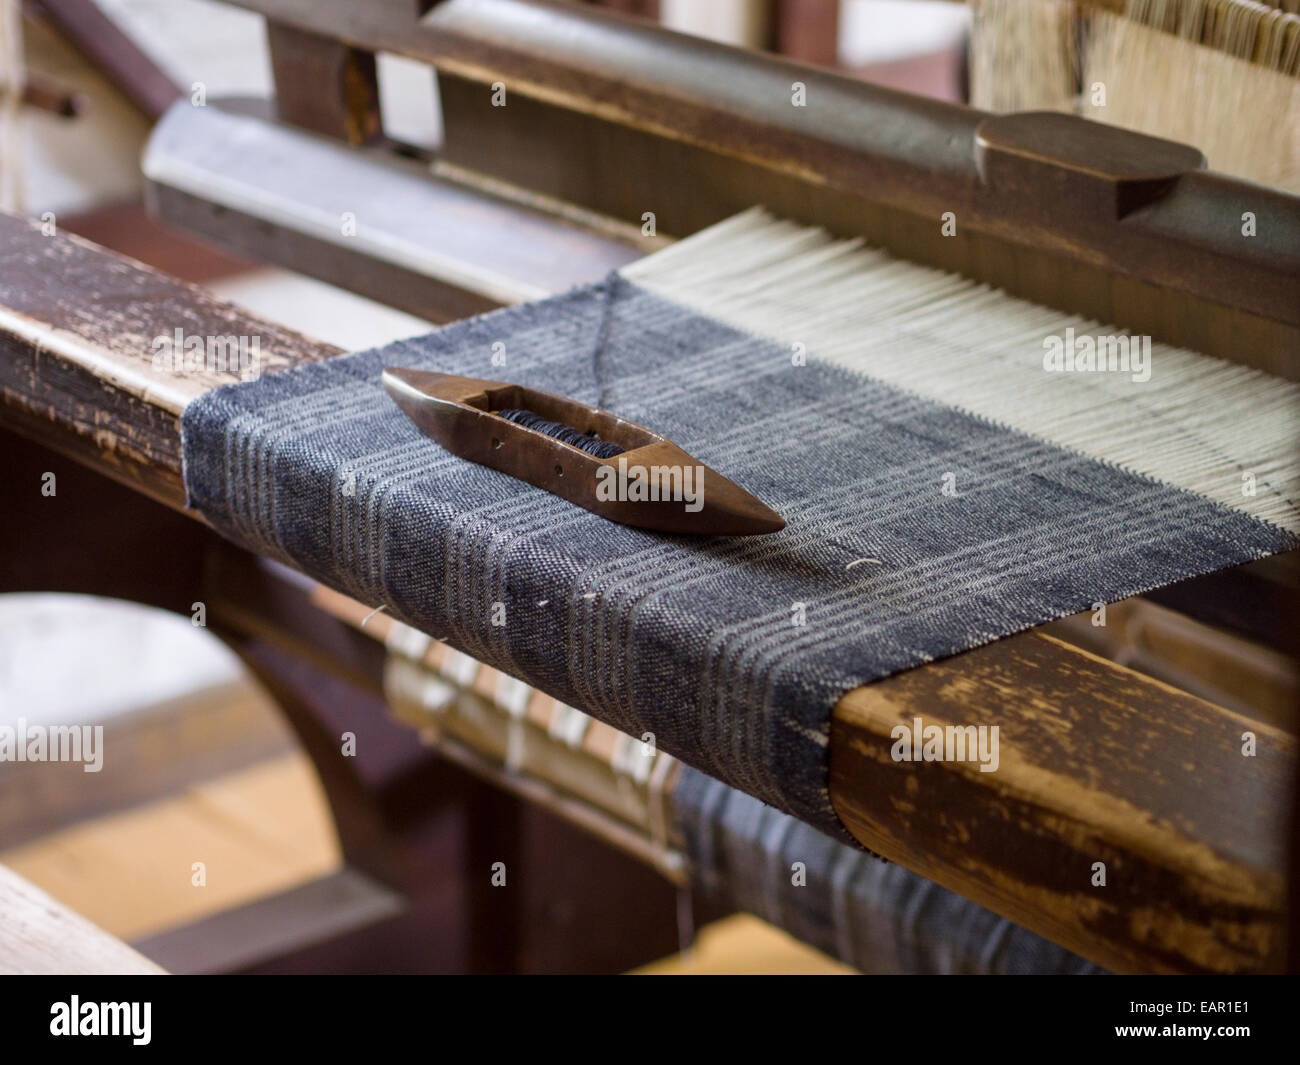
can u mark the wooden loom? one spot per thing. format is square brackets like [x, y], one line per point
[608, 118]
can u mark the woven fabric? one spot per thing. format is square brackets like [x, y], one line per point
[730, 651]
[873, 915]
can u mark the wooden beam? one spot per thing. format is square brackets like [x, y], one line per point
[42, 937]
[324, 86]
[1097, 764]
[1101, 763]
[274, 926]
[114, 53]
[429, 246]
[77, 329]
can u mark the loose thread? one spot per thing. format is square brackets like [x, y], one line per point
[598, 347]
[593, 445]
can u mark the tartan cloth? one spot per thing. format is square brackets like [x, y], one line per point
[731, 651]
[876, 916]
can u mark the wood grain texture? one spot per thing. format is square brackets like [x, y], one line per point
[77, 331]
[1101, 764]
[38, 936]
[1097, 764]
[324, 86]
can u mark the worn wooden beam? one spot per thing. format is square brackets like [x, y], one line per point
[78, 329]
[1100, 763]
[1101, 771]
[116, 55]
[373, 223]
[41, 937]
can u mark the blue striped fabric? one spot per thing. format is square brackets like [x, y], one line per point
[873, 915]
[731, 651]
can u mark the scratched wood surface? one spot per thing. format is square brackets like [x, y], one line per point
[1100, 763]
[1096, 765]
[77, 328]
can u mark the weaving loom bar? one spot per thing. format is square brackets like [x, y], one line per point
[88, 372]
[944, 824]
[908, 153]
[79, 380]
[337, 88]
[542, 147]
[458, 242]
[426, 245]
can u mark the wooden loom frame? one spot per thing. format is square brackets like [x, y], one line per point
[1198, 863]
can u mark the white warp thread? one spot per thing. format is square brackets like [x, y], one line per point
[1200, 423]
